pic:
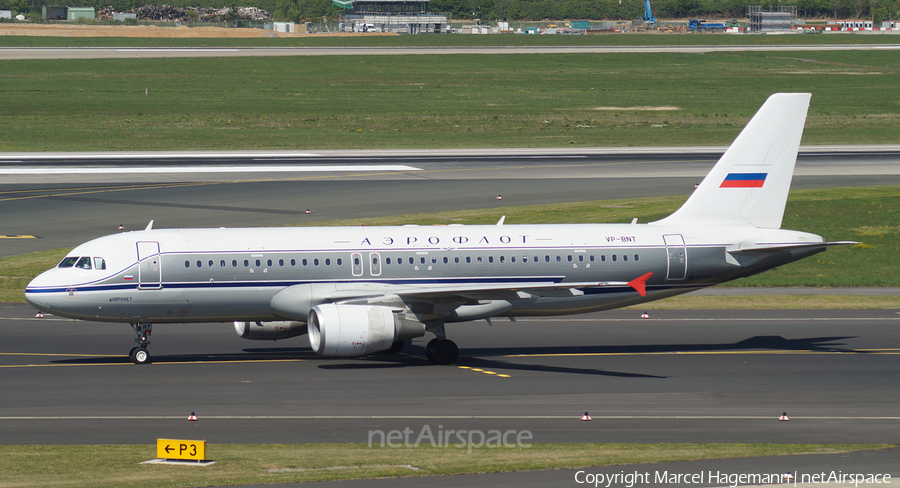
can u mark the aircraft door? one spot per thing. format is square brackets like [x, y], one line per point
[356, 264]
[149, 266]
[375, 264]
[677, 254]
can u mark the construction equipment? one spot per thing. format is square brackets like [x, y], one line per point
[695, 25]
[648, 17]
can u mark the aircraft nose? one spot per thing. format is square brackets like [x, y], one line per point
[42, 301]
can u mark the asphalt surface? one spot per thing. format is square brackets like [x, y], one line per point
[41, 197]
[689, 376]
[173, 52]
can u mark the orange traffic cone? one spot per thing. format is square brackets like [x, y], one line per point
[307, 211]
[121, 227]
[645, 315]
[499, 197]
[784, 417]
[192, 417]
[39, 315]
[586, 417]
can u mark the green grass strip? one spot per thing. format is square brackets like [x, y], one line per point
[866, 214]
[448, 101]
[100, 466]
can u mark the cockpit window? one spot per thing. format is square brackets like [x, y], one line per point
[68, 262]
[83, 263]
[99, 263]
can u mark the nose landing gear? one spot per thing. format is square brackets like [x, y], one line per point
[139, 354]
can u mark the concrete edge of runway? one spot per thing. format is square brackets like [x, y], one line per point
[427, 152]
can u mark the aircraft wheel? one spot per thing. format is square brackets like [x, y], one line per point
[429, 349]
[444, 352]
[131, 354]
[140, 356]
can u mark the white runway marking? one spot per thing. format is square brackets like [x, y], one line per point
[72, 170]
[441, 417]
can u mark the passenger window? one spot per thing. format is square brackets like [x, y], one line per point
[199, 263]
[502, 259]
[222, 263]
[246, 263]
[434, 259]
[315, 261]
[446, 260]
[386, 261]
[340, 261]
[257, 263]
[99, 263]
[592, 258]
[293, 262]
[269, 262]
[614, 258]
[512, 259]
[636, 257]
[603, 258]
[327, 261]
[558, 259]
[468, 259]
[569, 258]
[456, 260]
[490, 259]
[187, 264]
[211, 263]
[281, 262]
[536, 260]
[547, 258]
[581, 258]
[304, 262]
[422, 260]
[411, 260]
[67, 262]
[234, 263]
[479, 260]
[624, 257]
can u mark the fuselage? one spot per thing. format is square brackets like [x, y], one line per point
[224, 275]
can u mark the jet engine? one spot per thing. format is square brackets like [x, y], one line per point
[358, 330]
[269, 331]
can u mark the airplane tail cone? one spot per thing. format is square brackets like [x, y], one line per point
[586, 417]
[784, 417]
[192, 417]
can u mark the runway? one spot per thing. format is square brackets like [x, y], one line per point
[63, 200]
[689, 376]
[191, 52]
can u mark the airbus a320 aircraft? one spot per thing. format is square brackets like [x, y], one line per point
[360, 290]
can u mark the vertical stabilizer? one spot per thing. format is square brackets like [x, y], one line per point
[750, 183]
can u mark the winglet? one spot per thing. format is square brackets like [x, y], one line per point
[640, 284]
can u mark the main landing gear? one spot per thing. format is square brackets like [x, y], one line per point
[139, 354]
[440, 350]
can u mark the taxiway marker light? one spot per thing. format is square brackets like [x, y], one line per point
[784, 417]
[192, 417]
[586, 417]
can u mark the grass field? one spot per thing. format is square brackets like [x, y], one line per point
[867, 214]
[424, 101]
[117, 465]
[460, 40]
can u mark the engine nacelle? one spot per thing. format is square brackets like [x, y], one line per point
[269, 331]
[357, 330]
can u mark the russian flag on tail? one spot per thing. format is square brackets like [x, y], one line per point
[744, 180]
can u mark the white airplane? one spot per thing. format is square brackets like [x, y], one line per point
[360, 290]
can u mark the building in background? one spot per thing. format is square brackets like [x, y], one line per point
[405, 16]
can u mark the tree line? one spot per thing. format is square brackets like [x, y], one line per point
[529, 10]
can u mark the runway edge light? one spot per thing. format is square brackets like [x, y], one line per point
[784, 417]
[586, 417]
